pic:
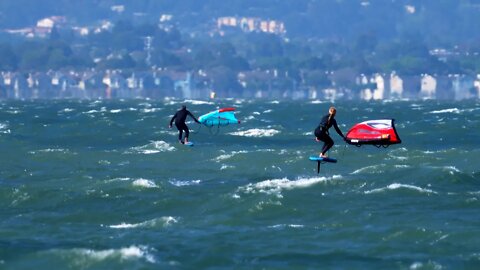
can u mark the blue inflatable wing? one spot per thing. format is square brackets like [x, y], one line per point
[221, 117]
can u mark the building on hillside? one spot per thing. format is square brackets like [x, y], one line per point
[251, 24]
[428, 88]
[411, 86]
[444, 87]
[183, 85]
[371, 88]
[463, 87]
[476, 84]
[396, 86]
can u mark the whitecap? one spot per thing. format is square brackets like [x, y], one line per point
[126, 253]
[153, 148]
[226, 167]
[162, 221]
[119, 179]
[116, 111]
[251, 117]
[150, 110]
[92, 112]
[451, 169]
[256, 132]
[370, 169]
[52, 150]
[239, 101]
[451, 110]
[227, 156]
[198, 102]
[275, 186]
[395, 186]
[4, 128]
[66, 110]
[428, 265]
[144, 183]
[179, 183]
[287, 226]
[402, 166]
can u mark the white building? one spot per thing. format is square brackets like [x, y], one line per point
[428, 88]
[396, 86]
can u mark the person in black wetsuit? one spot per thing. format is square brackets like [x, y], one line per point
[322, 134]
[180, 117]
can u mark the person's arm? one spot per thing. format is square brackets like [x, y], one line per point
[337, 129]
[191, 115]
[171, 120]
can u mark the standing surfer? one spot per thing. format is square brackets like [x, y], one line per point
[322, 134]
[180, 117]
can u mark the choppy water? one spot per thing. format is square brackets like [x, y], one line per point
[104, 185]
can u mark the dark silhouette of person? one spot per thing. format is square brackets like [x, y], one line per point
[322, 134]
[179, 118]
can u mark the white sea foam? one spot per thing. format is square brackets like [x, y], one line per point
[179, 183]
[239, 101]
[226, 167]
[91, 112]
[119, 179]
[451, 169]
[370, 169]
[103, 109]
[227, 156]
[276, 186]
[256, 132]
[402, 166]
[296, 226]
[4, 128]
[198, 102]
[144, 183]
[150, 110]
[53, 150]
[428, 265]
[395, 186]
[153, 148]
[451, 110]
[13, 111]
[157, 222]
[126, 253]
[251, 117]
[66, 110]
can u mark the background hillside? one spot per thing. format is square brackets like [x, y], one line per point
[437, 21]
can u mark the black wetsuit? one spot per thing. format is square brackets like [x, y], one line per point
[180, 117]
[321, 132]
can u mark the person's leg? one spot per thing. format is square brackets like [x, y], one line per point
[187, 132]
[328, 143]
[180, 132]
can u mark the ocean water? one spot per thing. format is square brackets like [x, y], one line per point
[106, 185]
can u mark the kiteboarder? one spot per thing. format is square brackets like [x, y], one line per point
[180, 117]
[322, 134]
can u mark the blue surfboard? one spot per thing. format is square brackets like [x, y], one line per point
[188, 144]
[321, 159]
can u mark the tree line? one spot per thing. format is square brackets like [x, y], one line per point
[124, 47]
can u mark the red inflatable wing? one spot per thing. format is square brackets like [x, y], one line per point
[374, 132]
